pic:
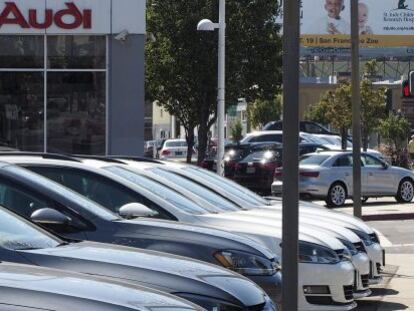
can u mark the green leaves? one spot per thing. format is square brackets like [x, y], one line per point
[260, 112]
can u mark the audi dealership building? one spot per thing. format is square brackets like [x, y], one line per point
[72, 76]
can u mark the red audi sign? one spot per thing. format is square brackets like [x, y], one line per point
[71, 17]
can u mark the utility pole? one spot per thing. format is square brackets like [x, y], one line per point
[221, 87]
[356, 110]
[291, 33]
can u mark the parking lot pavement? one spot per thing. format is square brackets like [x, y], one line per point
[396, 292]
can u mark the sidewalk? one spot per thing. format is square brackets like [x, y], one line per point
[398, 291]
[381, 209]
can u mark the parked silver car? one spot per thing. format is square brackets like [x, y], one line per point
[328, 176]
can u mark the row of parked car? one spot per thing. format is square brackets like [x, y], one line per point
[137, 234]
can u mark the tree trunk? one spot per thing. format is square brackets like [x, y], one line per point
[202, 141]
[189, 136]
[365, 141]
[344, 136]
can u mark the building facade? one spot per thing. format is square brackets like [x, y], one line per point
[72, 76]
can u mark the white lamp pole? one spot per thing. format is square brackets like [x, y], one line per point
[208, 25]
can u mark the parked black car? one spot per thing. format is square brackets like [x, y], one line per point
[256, 171]
[90, 221]
[29, 288]
[305, 126]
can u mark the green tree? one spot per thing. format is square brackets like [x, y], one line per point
[181, 62]
[237, 131]
[395, 131]
[260, 112]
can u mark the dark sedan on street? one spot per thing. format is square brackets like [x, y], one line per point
[73, 216]
[28, 288]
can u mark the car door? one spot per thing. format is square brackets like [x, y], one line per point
[23, 201]
[379, 180]
[342, 170]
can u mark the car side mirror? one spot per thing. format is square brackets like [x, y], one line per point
[49, 216]
[385, 166]
[134, 210]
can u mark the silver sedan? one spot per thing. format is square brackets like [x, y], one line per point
[328, 176]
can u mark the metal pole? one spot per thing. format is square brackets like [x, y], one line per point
[221, 87]
[291, 34]
[356, 110]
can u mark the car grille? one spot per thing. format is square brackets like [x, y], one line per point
[349, 292]
[365, 280]
[360, 247]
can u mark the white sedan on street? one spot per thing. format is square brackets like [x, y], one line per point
[328, 176]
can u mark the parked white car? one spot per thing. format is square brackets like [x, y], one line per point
[328, 176]
[329, 266]
[263, 208]
[174, 149]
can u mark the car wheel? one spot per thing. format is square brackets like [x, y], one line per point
[405, 192]
[336, 195]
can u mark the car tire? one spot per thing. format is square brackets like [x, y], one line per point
[337, 195]
[405, 192]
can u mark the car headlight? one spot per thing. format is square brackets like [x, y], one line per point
[313, 253]
[364, 237]
[246, 264]
[350, 247]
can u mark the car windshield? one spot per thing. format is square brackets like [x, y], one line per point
[313, 139]
[213, 198]
[315, 159]
[175, 144]
[17, 234]
[87, 204]
[229, 186]
[159, 189]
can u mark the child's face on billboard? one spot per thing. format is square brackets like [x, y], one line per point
[334, 8]
[362, 14]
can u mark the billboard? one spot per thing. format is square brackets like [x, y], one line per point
[382, 23]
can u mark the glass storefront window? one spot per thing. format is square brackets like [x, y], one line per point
[21, 51]
[76, 112]
[21, 110]
[76, 52]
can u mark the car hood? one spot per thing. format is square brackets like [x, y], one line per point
[195, 234]
[269, 234]
[166, 272]
[306, 222]
[85, 289]
[319, 212]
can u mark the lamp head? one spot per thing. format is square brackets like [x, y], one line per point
[206, 25]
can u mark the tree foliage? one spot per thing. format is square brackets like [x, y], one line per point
[237, 131]
[261, 112]
[395, 131]
[335, 107]
[181, 62]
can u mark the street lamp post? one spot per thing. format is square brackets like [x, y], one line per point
[208, 25]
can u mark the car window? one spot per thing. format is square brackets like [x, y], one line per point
[159, 189]
[316, 159]
[370, 161]
[175, 144]
[313, 128]
[206, 194]
[87, 204]
[17, 234]
[342, 161]
[229, 186]
[267, 138]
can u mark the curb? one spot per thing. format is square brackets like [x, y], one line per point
[385, 217]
